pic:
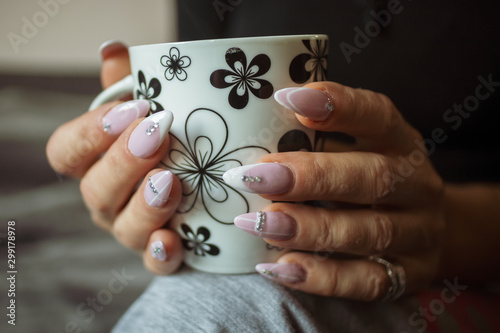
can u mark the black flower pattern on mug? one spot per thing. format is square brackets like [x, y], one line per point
[149, 91]
[312, 65]
[198, 242]
[294, 140]
[244, 78]
[176, 65]
[200, 163]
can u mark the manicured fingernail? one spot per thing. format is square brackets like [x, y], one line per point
[119, 117]
[150, 133]
[158, 188]
[109, 47]
[272, 225]
[285, 273]
[310, 103]
[262, 178]
[158, 250]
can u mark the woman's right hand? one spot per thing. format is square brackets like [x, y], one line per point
[112, 152]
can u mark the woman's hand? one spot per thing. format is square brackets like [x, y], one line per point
[398, 198]
[111, 151]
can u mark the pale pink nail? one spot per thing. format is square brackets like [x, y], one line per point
[109, 47]
[262, 178]
[150, 133]
[119, 117]
[310, 103]
[158, 188]
[158, 250]
[285, 273]
[272, 225]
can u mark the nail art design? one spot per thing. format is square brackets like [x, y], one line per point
[271, 225]
[152, 128]
[260, 221]
[150, 133]
[158, 251]
[119, 117]
[285, 273]
[262, 178]
[310, 103]
[157, 190]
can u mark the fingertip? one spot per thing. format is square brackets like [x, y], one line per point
[110, 48]
[115, 62]
[163, 254]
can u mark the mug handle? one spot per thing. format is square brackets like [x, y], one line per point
[122, 87]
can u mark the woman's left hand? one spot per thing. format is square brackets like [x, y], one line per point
[397, 195]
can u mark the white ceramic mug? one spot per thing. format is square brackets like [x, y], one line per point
[221, 94]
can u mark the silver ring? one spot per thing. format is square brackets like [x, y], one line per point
[397, 276]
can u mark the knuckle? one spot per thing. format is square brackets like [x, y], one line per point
[382, 234]
[390, 117]
[127, 238]
[325, 237]
[115, 162]
[95, 203]
[379, 184]
[322, 185]
[345, 237]
[62, 159]
[331, 281]
[376, 287]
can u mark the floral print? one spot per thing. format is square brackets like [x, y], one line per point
[149, 91]
[175, 65]
[243, 78]
[200, 162]
[197, 242]
[312, 65]
[294, 140]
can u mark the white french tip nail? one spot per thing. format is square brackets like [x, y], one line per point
[164, 119]
[233, 177]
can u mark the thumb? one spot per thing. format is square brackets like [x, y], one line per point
[115, 62]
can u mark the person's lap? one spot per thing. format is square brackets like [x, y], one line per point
[192, 301]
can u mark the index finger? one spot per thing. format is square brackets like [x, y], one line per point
[366, 115]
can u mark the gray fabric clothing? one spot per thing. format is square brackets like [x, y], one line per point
[192, 301]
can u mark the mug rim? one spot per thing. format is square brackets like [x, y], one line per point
[233, 39]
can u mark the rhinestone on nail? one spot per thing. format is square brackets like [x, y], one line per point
[268, 273]
[106, 127]
[152, 128]
[329, 107]
[156, 250]
[153, 188]
[249, 179]
[261, 218]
